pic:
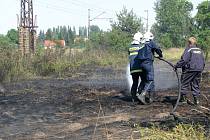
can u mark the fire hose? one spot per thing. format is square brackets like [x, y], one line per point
[178, 80]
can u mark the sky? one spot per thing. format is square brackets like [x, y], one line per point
[53, 13]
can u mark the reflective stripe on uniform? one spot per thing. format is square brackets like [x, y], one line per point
[133, 49]
[193, 49]
[134, 53]
[133, 71]
[142, 47]
[197, 52]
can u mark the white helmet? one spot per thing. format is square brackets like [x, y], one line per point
[138, 36]
[148, 36]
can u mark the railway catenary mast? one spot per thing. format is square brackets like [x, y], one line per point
[26, 28]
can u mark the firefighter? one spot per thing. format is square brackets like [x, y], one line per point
[192, 63]
[146, 57]
[135, 63]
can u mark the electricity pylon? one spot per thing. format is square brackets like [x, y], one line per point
[27, 28]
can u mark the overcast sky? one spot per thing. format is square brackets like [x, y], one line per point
[51, 13]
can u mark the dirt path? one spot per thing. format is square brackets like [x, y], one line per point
[93, 105]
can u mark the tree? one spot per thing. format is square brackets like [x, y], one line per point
[95, 34]
[173, 21]
[65, 34]
[4, 42]
[70, 36]
[202, 22]
[83, 31]
[118, 40]
[203, 15]
[41, 36]
[123, 29]
[94, 28]
[128, 22]
[80, 31]
[12, 34]
[49, 35]
[74, 31]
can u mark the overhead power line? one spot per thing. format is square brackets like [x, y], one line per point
[94, 18]
[58, 8]
[88, 5]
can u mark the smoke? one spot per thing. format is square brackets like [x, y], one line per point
[128, 77]
[165, 77]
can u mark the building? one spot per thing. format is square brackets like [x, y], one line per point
[50, 44]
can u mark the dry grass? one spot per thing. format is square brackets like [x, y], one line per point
[173, 53]
[58, 62]
[180, 132]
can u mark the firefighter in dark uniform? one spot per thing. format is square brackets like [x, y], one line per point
[146, 57]
[192, 63]
[135, 63]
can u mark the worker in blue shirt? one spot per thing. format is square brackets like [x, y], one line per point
[192, 63]
[146, 57]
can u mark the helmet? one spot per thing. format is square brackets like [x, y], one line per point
[138, 36]
[148, 36]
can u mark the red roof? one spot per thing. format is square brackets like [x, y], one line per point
[53, 43]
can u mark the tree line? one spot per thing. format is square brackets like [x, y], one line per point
[174, 24]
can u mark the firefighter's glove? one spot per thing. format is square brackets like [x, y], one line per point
[175, 68]
[161, 55]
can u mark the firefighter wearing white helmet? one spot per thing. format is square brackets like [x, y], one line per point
[137, 38]
[146, 57]
[135, 69]
[148, 36]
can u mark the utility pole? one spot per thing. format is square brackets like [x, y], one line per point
[96, 17]
[147, 19]
[26, 28]
[88, 35]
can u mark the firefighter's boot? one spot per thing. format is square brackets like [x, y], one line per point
[142, 97]
[133, 95]
[183, 99]
[195, 100]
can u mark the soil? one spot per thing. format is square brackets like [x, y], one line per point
[95, 104]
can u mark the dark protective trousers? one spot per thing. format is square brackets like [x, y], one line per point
[135, 78]
[147, 79]
[191, 79]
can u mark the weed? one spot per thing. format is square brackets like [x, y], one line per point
[180, 132]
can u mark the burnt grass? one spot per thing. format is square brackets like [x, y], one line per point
[95, 104]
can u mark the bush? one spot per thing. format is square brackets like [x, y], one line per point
[58, 62]
[165, 41]
[12, 66]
